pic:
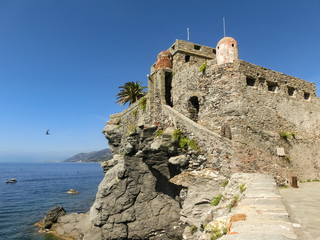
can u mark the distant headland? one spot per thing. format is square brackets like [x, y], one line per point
[95, 156]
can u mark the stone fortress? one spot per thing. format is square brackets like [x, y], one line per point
[249, 126]
[247, 118]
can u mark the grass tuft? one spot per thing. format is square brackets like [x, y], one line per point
[193, 229]
[142, 103]
[215, 201]
[242, 188]
[224, 183]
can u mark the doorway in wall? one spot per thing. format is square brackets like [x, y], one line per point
[193, 108]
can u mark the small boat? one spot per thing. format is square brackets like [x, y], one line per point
[12, 180]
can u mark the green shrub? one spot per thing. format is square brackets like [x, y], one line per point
[233, 202]
[224, 183]
[242, 188]
[215, 201]
[135, 112]
[142, 103]
[176, 135]
[203, 67]
[203, 227]
[192, 144]
[193, 229]
[183, 142]
[119, 122]
[285, 135]
[217, 233]
[294, 134]
[158, 133]
[131, 129]
[309, 180]
[288, 158]
[315, 180]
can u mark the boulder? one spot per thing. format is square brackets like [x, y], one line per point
[72, 191]
[51, 217]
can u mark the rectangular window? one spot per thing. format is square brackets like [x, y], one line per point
[272, 86]
[251, 81]
[197, 47]
[291, 91]
[306, 96]
[187, 58]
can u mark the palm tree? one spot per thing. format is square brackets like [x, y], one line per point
[130, 92]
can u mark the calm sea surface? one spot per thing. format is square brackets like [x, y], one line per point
[40, 187]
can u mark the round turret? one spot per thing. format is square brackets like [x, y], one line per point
[227, 50]
[164, 60]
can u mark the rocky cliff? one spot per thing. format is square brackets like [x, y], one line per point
[149, 190]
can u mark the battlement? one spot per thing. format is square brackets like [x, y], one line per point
[193, 49]
[184, 51]
[263, 79]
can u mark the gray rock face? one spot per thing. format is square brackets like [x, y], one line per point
[135, 199]
[52, 216]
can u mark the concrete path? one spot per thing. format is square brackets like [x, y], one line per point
[304, 207]
[267, 217]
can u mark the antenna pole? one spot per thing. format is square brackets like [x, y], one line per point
[188, 33]
[224, 27]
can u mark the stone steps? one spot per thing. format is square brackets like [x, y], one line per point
[267, 217]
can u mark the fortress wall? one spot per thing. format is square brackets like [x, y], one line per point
[277, 110]
[255, 114]
[271, 81]
[216, 90]
[219, 148]
[270, 113]
[256, 104]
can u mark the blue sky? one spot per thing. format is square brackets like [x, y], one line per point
[62, 61]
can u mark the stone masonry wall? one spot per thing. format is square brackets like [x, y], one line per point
[258, 105]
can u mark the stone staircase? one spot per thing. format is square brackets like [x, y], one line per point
[267, 217]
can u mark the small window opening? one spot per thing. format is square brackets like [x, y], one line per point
[187, 58]
[232, 45]
[272, 86]
[214, 51]
[172, 47]
[306, 96]
[193, 108]
[291, 91]
[251, 81]
[197, 47]
[168, 89]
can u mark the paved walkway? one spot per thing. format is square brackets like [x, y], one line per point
[304, 203]
[267, 218]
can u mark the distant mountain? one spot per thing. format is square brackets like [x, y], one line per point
[96, 156]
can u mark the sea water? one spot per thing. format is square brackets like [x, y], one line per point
[40, 187]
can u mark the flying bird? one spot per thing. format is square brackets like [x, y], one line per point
[47, 133]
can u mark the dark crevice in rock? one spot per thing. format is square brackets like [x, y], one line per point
[164, 186]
